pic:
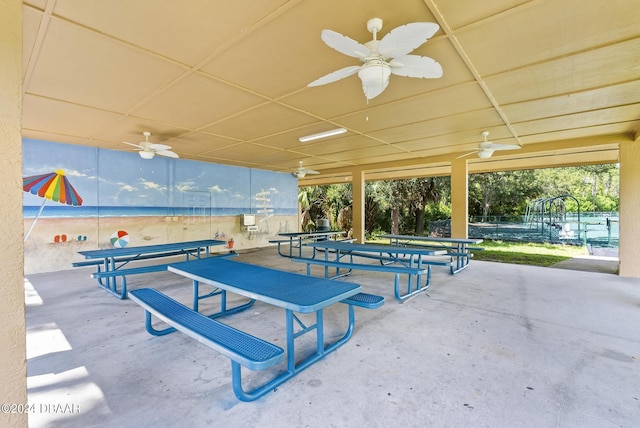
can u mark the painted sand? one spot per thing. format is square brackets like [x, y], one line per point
[54, 242]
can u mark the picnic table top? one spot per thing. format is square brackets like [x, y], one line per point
[432, 239]
[308, 234]
[149, 249]
[374, 248]
[293, 291]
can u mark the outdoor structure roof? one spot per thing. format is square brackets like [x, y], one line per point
[226, 82]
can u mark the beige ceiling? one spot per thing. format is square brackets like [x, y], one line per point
[226, 81]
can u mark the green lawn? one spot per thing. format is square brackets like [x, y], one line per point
[527, 253]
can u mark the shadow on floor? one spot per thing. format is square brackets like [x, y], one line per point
[497, 345]
[600, 259]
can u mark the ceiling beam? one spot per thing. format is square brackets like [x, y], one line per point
[599, 155]
[577, 151]
[476, 74]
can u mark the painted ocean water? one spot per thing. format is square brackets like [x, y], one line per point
[52, 210]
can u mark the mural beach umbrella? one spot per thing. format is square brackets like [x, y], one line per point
[53, 186]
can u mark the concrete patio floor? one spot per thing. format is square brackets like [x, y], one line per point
[497, 345]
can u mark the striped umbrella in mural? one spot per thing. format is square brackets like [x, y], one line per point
[53, 186]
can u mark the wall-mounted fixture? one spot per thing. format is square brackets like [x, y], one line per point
[248, 224]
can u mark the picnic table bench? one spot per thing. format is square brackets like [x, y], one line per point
[113, 263]
[297, 239]
[414, 262]
[458, 249]
[290, 291]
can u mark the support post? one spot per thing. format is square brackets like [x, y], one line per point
[13, 360]
[459, 198]
[629, 245]
[358, 211]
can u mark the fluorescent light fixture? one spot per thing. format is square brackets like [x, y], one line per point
[322, 135]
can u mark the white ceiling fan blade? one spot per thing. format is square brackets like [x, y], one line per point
[336, 75]
[134, 145]
[416, 66]
[167, 153]
[405, 38]
[499, 146]
[157, 147]
[308, 171]
[344, 44]
[467, 154]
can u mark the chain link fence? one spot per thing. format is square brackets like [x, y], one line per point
[598, 229]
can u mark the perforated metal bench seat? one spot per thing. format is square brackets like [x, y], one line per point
[94, 262]
[396, 269]
[365, 300]
[131, 271]
[243, 348]
[363, 266]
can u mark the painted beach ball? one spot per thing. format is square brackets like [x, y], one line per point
[120, 239]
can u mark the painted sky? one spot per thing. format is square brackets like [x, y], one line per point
[118, 178]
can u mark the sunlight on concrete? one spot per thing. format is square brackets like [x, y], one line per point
[62, 395]
[31, 296]
[65, 395]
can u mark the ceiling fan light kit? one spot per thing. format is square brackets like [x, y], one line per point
[375, 78]
[384, 57]
[145, 154]
[485, 153]
[147, 150]
[320, 135]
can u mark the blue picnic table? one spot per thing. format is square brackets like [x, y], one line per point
[112, 263]
[297, 239]
[292, 292]
[414, 262]
[459, 249]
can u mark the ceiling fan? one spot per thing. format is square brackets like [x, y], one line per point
[486, 148]
[148, 150]
[301, 171]
[383, 57]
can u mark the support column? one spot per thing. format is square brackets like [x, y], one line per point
[459, 198]
[357, 209]
[629, 246]
[13, 365]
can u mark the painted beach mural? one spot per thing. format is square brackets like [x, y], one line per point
[78, 198]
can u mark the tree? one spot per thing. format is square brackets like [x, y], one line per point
[506, 192]
[388, 196]
[407, 205]
[426, 191]
[339, 204]
[313, 204]
[332, 202]
[408, 202]
[595, 186]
